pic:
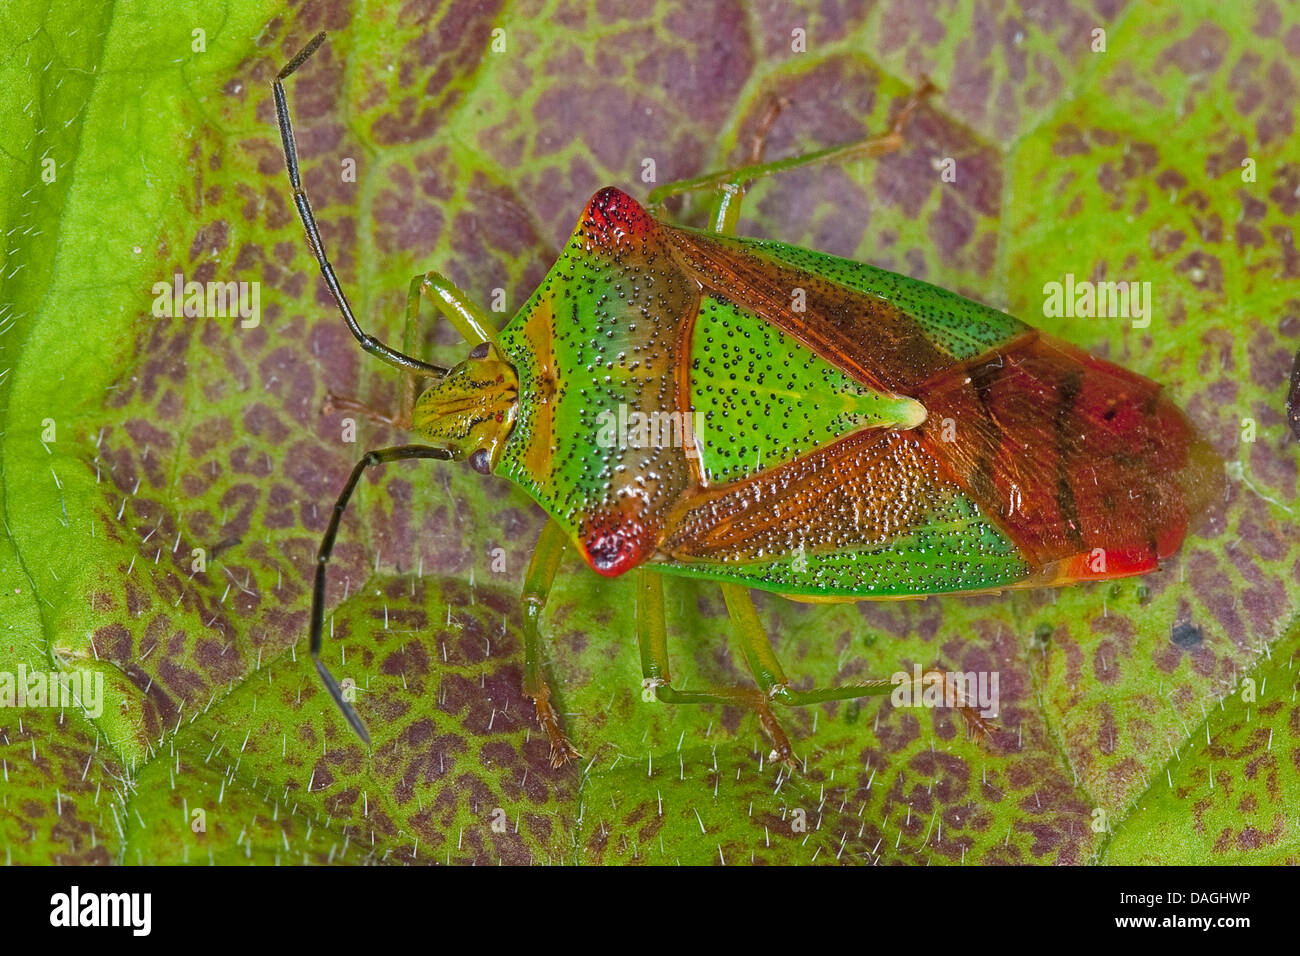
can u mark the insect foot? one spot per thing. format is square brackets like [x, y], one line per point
[339, 403]
[562, 751]
[781, 749]
[981, 729]
[978, 726]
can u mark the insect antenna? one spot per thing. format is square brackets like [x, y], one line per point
[379, 457]
[368, 342]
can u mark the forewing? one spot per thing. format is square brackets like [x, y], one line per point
[871, 514]
[886, 330]
[1085, 466]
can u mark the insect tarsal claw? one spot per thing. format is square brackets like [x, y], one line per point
[562, 754]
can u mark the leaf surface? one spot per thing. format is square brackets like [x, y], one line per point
[1141, 721]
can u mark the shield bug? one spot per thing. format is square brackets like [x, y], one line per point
[688, 402]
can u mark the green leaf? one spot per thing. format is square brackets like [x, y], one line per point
[163, 534]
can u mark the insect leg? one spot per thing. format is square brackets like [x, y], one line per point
[882, 686]
[402, 419]
[457, 308]
[725, 214]
[467, 318]
[371, 458]
[731, 183]
[759, 654]
[652, 639]
[537, 586]
[303, 205]
[772, 681]
[767, 669]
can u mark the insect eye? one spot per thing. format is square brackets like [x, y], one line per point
[481, 462]
[479, 351]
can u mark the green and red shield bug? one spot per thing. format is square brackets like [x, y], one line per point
[801, 424]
